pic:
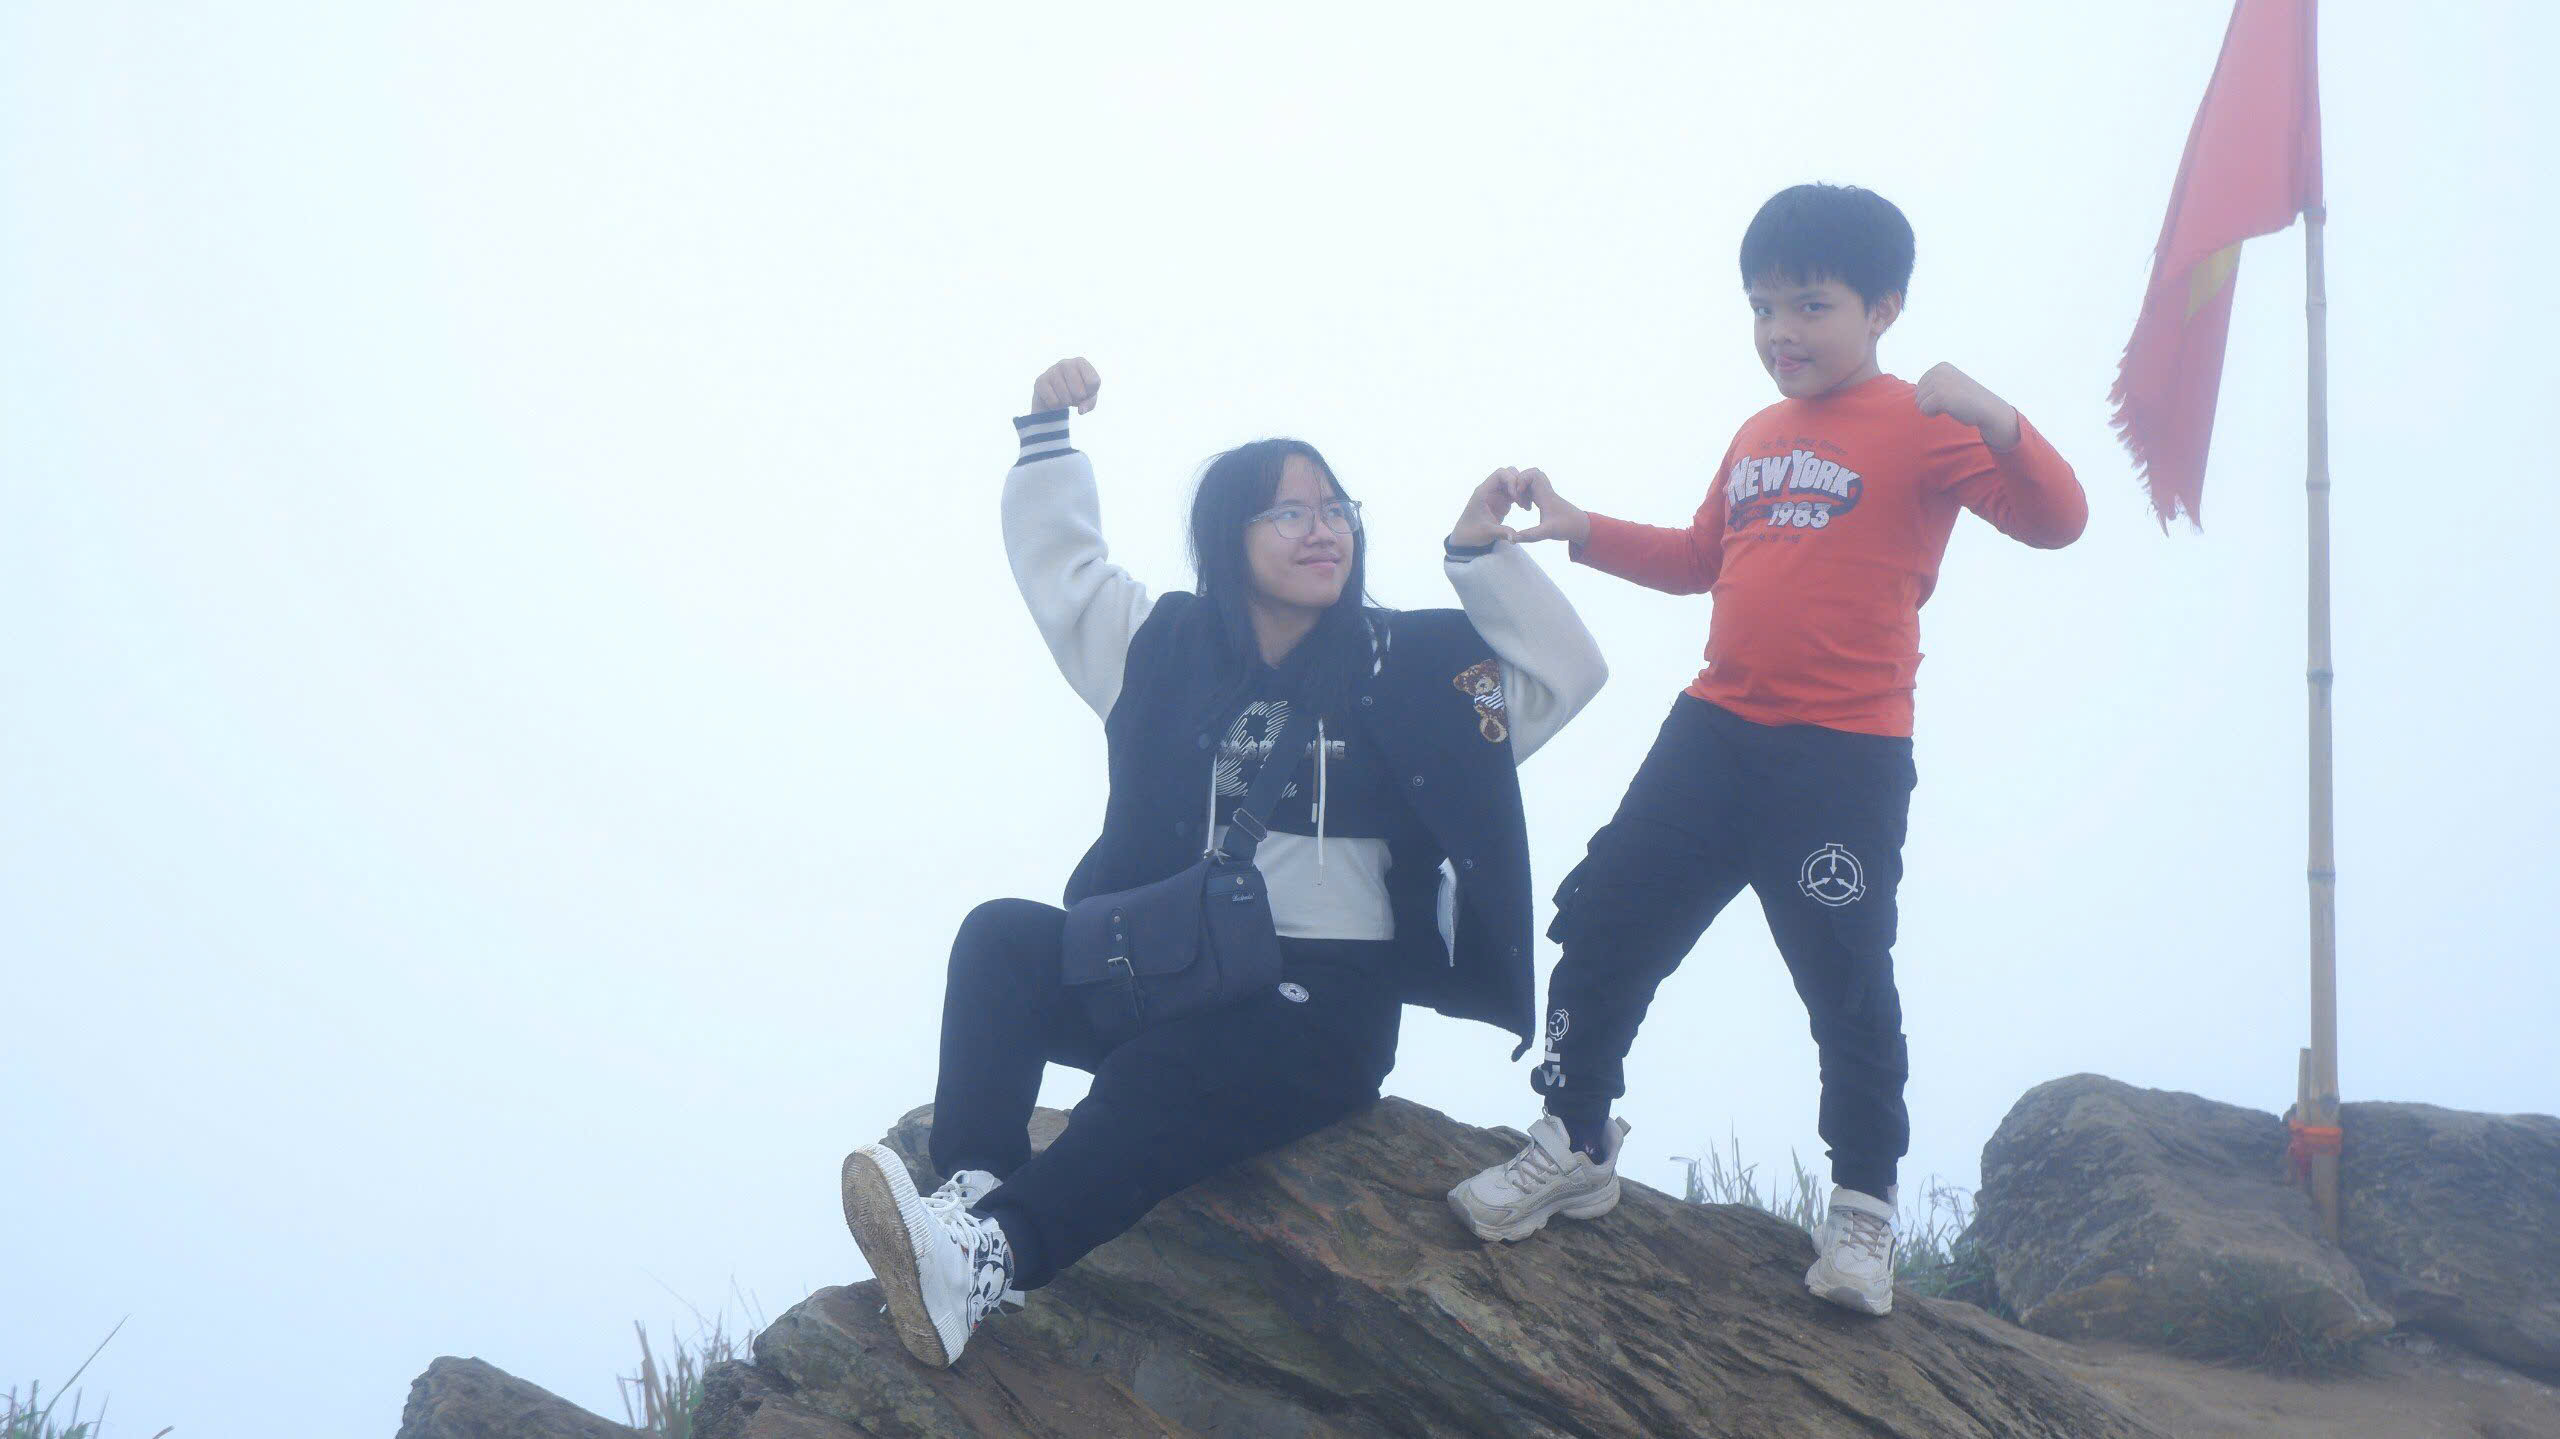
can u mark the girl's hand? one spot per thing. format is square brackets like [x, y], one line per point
[1480, 523]
[1068, 382]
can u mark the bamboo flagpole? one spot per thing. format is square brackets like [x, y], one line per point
[2317, 1106]
[2252, 167]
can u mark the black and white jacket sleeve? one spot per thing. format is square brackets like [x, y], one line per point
[1087, 607]
[1551, 667]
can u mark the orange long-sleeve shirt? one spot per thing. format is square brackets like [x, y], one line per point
[1820, 539]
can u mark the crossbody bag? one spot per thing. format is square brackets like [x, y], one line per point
[1203, 938]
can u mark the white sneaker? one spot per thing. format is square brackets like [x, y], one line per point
[1856, 1247]
[941, 1268]
[1548, 1177]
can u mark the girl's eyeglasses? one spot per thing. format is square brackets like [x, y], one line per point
[1296, 522]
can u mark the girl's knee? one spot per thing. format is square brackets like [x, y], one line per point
[1005, 936]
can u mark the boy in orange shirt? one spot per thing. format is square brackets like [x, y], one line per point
[1787, 765]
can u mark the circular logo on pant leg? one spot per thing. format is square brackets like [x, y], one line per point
[1294, 992]
[1832, 876]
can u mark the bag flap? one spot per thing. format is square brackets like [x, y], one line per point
[1156, 927]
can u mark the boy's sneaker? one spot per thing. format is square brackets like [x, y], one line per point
[1855, 1248]
[941, 1268]
[1548, 1177]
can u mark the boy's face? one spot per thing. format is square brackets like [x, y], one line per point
[1815, 336]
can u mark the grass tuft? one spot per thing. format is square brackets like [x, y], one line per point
[1935, 1256]
[661, 1398]
[33, 1418]
[2252, 1323]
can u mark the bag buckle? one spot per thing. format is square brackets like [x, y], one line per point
[1243, 819]
[1129, 980]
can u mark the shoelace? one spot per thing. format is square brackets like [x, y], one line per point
[1534, 1162]
[1866, 1231]
[956, 1190]
[978, 1239]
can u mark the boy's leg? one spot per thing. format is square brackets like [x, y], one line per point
[1655, 876]
[1005, 1016]
[1184, 1100]
[1830, 810]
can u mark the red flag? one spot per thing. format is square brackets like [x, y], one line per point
[2252, 165]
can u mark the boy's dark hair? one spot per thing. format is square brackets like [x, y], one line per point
[1810, 233]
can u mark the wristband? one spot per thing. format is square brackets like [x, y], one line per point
[1457, 551]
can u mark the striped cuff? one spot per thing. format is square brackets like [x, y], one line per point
[1044, 436]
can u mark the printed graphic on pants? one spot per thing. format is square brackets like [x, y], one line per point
[1558, 1023]
[1832, 876]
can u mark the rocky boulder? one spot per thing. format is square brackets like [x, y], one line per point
[2454, 1219]
[2162, 1219]
[470, 1399]
[1324, 1290]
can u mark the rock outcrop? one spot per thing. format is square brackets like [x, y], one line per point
[471, 1399]
[2454, 1219]
[1325, 1290]
[2162, 1219]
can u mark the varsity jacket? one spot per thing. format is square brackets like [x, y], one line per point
[1455, 700]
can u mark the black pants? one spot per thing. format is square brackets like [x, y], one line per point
[1812, 819]
[1168, 1108]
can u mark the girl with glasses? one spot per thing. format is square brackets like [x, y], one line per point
[1396, 860]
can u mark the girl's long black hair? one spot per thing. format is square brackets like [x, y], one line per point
[1337, 654]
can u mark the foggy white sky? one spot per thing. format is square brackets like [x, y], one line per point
[508, 679]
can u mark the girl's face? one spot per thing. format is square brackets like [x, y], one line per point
[1308, 572]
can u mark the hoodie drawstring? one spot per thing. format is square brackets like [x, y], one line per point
[1209, 829]
[1323, 752]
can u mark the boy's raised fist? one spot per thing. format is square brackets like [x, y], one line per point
[1946, 390]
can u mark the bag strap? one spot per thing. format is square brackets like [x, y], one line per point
[1245, 828]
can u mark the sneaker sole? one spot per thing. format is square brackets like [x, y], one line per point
[1845, 1294]
[1590, 1208]
[881, 1207]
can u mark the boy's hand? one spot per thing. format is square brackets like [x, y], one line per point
[1558, 517]
[1946, 390]
[1068, 382]
[1480, 523]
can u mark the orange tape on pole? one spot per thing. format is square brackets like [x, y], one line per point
[2308, 1140]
